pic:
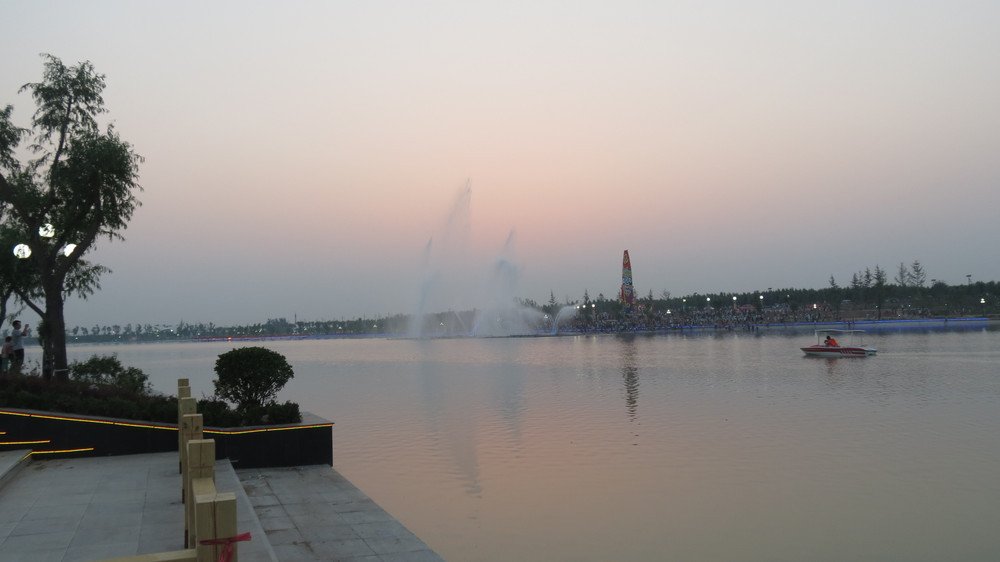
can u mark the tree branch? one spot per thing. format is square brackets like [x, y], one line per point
[26, 300]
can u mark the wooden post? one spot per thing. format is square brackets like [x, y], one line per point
[216, 518]
[191, 427]
[201, 464]
[185, 406]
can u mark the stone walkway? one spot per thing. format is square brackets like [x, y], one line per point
[64, 510]
[313, 513]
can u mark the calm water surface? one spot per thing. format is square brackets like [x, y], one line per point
[698, 447]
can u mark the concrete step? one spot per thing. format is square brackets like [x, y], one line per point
[11, 462]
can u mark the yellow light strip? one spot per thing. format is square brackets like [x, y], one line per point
[262, 430]
[85, 449]
[163, 427]
[25, 456]
[84, 420]
[25, 442]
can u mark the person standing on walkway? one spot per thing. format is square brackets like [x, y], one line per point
[17, 333]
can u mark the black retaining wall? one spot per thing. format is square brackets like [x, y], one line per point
[70, 435]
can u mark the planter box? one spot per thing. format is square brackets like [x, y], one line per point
[52, 434]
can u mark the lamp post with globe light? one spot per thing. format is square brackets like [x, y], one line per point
[22, 251]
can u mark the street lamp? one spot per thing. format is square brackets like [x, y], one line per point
[22, 251]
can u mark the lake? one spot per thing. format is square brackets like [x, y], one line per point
[703, 446]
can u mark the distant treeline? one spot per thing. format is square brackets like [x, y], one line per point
[869, 295]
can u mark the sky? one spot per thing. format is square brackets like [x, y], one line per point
[326, 160]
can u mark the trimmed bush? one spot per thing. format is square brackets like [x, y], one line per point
[251, 377]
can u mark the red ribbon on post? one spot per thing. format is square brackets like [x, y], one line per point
[227, 545]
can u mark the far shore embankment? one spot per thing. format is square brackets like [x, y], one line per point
[938, 323]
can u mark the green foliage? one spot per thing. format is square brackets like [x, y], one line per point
[108, 400]
[108, 370]
[283, 413]
[84, 397]
[81, 180]
[251, 377]
[218, 413]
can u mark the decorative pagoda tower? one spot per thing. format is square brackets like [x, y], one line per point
[627, 295]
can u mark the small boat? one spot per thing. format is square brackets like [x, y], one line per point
[830, 347]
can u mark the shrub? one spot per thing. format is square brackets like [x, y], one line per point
[78, 397]
[108, 370]
[217, 413]
[251, 377]
[283, 413]
[101, 386]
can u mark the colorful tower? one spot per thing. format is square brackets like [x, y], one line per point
[628, 291]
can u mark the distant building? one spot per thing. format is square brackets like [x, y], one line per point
[627, 294]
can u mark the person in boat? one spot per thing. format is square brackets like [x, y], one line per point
[831, 342]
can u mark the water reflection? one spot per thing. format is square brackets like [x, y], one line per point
[457, 440]
[508, 390]
[630, 377]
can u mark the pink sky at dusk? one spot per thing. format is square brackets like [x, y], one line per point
[299, 156]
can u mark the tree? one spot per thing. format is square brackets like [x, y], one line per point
[917, 275]
[80, 186]
[8, 267]
[903, 277]
[880, 279]
[251, 377]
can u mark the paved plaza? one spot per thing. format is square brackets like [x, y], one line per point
[65, 510]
